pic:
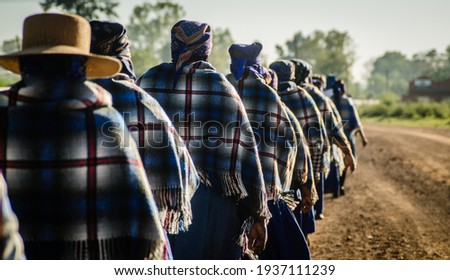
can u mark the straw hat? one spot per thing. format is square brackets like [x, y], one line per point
[47, 34]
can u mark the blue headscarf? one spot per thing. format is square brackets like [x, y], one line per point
[246, 56]
[302, 70]
[189, 38]
[111, 39]
[331, 80]
[285, 70]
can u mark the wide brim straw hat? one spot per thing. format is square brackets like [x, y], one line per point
[62, 34]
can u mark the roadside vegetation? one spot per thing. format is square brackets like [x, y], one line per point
[391, 110]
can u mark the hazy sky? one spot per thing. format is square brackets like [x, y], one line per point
[376, 26]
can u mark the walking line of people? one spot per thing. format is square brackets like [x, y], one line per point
[182, 162]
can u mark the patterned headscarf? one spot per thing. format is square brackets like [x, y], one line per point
[319, 81]
[244, 55]
[111, 39]
[273, 81]
[189, 38]
[285, 70]
[302, 70]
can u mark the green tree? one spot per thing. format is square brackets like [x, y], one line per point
[433, 64]
[8, 46]
[89, 9]
[357, 91]
[447, 52]
[392, 72]
[220, 58]
[149, 33]
[328, 52]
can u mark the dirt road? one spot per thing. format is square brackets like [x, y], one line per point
[397, 204]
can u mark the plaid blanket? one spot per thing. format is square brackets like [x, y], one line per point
[336, 153]
[167, 162]
[307, 113]
[11, 244]
[349, 115]
[334, 128]
[303, 158]
[211, 119]
[273, 132]
[74, 181]
[333, 123]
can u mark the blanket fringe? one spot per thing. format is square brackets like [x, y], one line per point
[229, 184]
[174, 206]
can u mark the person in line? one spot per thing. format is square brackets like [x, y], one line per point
[11, 244]
[308, 222]
[167, 162]
[350, 117]
[78, 190]
[211, 119]
[308, 115]
[337, 166]
[335, 133]
[278, 152]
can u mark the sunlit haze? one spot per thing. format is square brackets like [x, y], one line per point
[376, 26]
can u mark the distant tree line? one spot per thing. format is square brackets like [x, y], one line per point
[392, 71]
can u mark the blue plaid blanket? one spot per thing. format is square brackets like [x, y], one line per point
[310, 119]
[274, 134]
[210, 117]
[349, 115]
[169, 167]
[303, 158]
[333, 126]
[74, 181]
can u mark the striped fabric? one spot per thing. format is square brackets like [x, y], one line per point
[111, 39]
[336, 153]
[307, 113]
[211, 119]
[333, 126]
[273, 132]
[188, 39]
[167, 162]
[350, 119]
[349, 115]
[303, 159]
[11, 244]
[76, 184]
[333, 123]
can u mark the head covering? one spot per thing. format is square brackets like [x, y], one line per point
[111, 39]
[340, 85]
[273, 82]
[189, 38]
[64, 34]
[245, 55]
[285, 70]
[331, 79]
[302, 70]
[319, 81]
